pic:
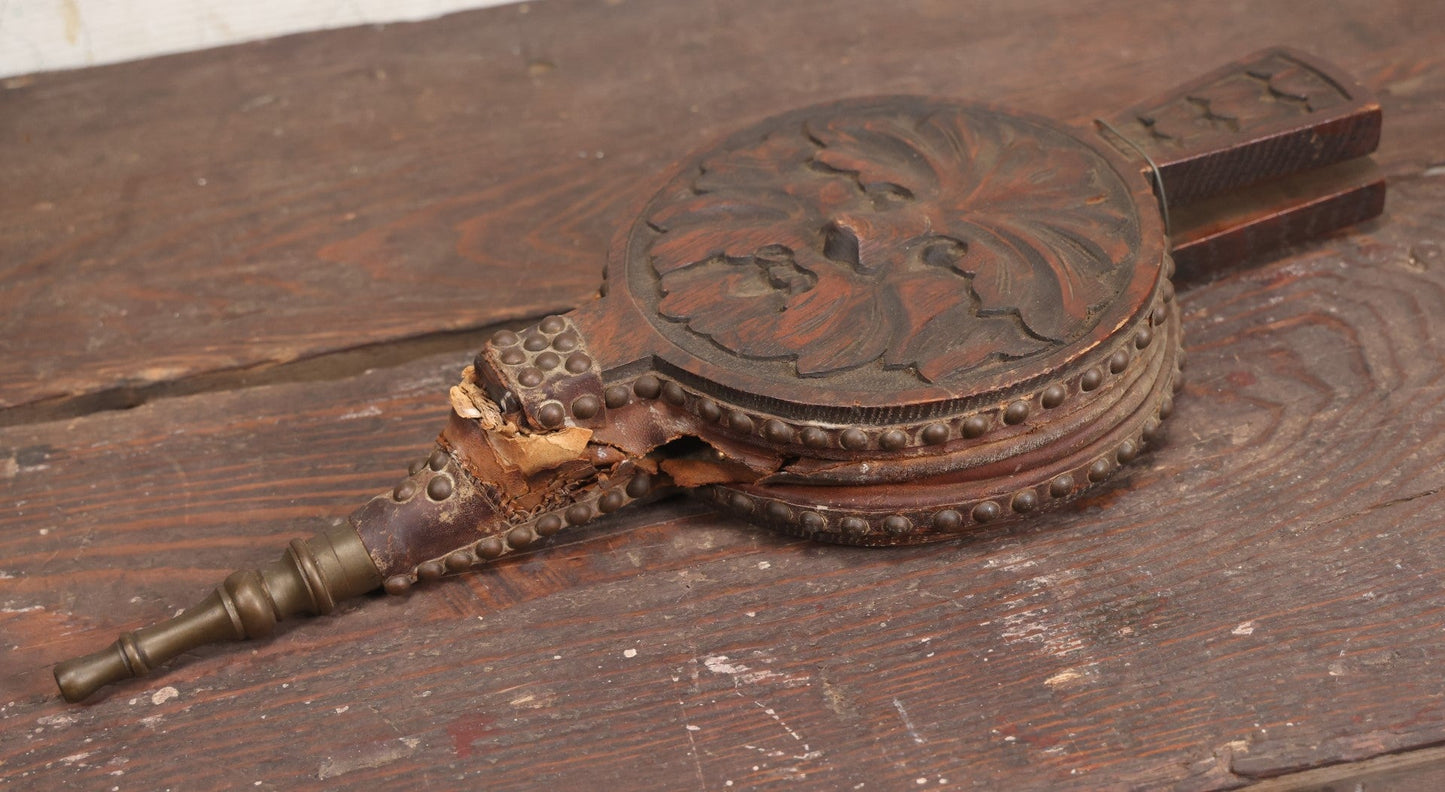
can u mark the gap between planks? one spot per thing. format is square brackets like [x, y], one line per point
[326, 366]
[1394, 772]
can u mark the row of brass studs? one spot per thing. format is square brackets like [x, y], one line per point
[438, 487]
[779, 432]
[536, 355]
[855, 527]
[522, 535]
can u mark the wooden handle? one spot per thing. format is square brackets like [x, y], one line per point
[1275, 113]
[1221, 232]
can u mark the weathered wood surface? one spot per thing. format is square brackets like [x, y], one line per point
[1261, 596]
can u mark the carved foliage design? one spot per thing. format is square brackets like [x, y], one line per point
[1271, 89]
[914, 235]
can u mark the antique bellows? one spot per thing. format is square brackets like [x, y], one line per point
[879, 321]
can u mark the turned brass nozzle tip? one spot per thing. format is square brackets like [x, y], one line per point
[78, 677]
[309, 579]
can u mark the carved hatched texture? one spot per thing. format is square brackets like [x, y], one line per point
[904, 234]
[1271, 89]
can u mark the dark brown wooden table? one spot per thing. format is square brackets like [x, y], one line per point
[234, 286]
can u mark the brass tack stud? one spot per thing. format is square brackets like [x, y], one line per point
[397, 584]
[439, 488]
[975, 426]
[739, 422]
[640, 485]
[948, 520]
[1061, 486]
[566, 342]
[553, 324]
[428, 571]
[814, 437]
[521, 536]
[1119, 361]
[935, 434]
[1024, 501]
[1151, 430]
[854, 439]
[615, 396]
[1016, 413]
[586, 406]
[578, 363]
[897, 524]
[740, 502]
[611, 501]
[548, 525]
[1099, 470]
[777, 431]
[1127, 452]
[490, 548]
[1091, 379]
[647, 386]
[987, 511]
[1052, 396]
[708, 410]
[551, 415]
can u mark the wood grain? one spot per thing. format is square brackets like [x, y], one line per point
[1259, 597]
[212, 211]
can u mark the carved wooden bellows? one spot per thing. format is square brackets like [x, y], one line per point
[873, 322]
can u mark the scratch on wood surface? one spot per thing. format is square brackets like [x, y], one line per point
[907, 722]
[367, 756]
[742, 674]
[772, 713]
[688, 728]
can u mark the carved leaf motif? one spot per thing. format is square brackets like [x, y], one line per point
[937, 243]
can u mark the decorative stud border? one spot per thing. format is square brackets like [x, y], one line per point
[913, 526]
[596, 501]
[853, 527]
[547, 370]
[776, 431]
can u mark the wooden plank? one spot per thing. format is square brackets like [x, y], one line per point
[241, 207]
[1259, 597]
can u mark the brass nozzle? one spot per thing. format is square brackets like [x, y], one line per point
[309, 579]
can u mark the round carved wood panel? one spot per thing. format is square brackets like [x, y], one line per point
[878, 247]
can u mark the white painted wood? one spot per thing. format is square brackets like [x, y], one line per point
[45, 35]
